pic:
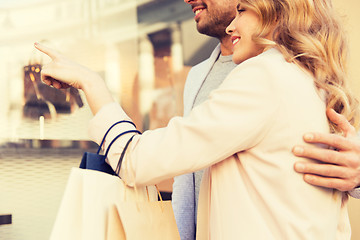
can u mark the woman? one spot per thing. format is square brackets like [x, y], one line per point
[292, 56]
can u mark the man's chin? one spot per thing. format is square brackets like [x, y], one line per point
[202, 29]
[207, 31]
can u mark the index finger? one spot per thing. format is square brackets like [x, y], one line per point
[48, 51]
[341, 122]
[333, 140]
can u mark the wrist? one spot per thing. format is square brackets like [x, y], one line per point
[87, 79]
[90, 82]
[97, 93]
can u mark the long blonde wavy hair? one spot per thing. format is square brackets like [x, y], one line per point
[309, 33]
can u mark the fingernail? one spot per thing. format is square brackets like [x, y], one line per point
[299, 167]
[308, 136]
[298, 150]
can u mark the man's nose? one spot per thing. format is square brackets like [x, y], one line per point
[188, 1]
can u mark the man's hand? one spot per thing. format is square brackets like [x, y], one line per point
[339, 168]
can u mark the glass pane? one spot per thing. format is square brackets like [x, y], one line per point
[101, 35]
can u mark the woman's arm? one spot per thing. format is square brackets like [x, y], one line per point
[236, 117]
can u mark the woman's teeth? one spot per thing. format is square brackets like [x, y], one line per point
[236, 40]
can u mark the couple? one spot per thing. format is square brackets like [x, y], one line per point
[244, 132]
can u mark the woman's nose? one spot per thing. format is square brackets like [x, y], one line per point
[230, 29]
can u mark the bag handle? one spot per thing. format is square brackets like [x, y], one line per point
[117, 170]
[121, 134]
[103, 140]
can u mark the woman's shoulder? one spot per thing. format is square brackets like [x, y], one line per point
[270, 64]
[270, 57]
[264, 64]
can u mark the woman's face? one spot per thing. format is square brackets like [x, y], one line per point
[241, 30]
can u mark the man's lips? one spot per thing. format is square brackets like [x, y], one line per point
[198, 10]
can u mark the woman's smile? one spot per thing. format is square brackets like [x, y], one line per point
[235, 40]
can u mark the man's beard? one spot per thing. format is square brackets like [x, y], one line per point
[215, 27]
[212, 31]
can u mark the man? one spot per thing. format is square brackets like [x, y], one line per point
[339, 169]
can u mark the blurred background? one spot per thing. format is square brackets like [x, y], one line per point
[143, 49]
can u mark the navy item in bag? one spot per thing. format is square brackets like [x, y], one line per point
[96, 161]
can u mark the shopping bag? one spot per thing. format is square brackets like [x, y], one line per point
[142, 220]
[96, 161]
[98, 205]
[132, 220]
[83, 212]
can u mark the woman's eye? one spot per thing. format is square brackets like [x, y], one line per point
[241, 10]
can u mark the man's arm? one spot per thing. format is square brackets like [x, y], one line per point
[339, 168]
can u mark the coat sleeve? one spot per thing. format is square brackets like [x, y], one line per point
[235, 117]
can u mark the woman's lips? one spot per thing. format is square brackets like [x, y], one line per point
[235, 40]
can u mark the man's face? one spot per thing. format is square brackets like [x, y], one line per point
[213, 16]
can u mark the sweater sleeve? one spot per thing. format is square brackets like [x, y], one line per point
[355, 193]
